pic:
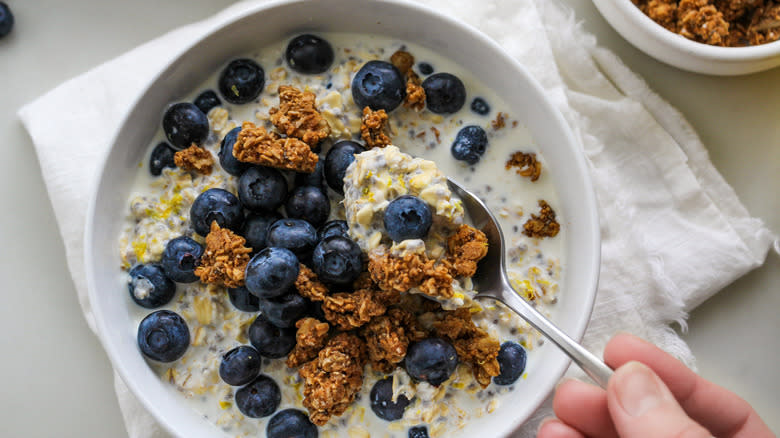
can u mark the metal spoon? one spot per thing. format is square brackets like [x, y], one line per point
[491, 281]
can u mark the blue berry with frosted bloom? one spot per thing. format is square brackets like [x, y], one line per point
[260, 398]
[271, 272]
[149, 287]
[163, 336]
[291, 423]
[185, 124]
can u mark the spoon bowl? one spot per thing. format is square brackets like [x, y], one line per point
[492, 282]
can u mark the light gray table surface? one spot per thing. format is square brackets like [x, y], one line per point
[57, 380]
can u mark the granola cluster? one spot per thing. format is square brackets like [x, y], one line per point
[194, 159]
[374, 128]
[474, 345]
[544, 224]
[333, 379]
[377, 321]
[257, 146]
[415, 94]
[224, 259]
[297, 116]
[526, 165]
[730, 23]
[298, 120]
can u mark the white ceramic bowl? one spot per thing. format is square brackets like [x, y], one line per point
[678, 51]
[267, 23]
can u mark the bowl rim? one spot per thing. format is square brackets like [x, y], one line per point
[707, 51]
[577, 154]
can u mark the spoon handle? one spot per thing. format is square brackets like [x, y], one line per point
[594, 367]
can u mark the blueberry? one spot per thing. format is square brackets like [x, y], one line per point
[260, 398]
[339, 157]
[270, 340]
[163, 336]
[511, 360]
[207, 100]
[378, 85]
[425, 68]
[179, 259]
[382, 401]
[149, 286]
[243, 300]
[333, 228]
[216, 205]
[316, 178]
[6, 19]
[291, 423]
[480, 106]
[256, 229]
[241, 81]
[185, 124]
[162, 157]
[407, 217]
[262, 188]
[285, 310]
[227, 160]
[432, 360]
[337, 260]
[271, 272]
[309, 54]
[240, 366]
[308, 203]
[297, 235]
[444, 93]
[418, 432]
[469, 145]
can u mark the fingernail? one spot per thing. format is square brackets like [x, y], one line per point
[637, 389]
[545, 421]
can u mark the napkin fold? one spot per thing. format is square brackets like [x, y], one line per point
[674, 232]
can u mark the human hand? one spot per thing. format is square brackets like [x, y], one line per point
[653, 395]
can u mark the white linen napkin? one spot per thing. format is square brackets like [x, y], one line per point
[674, 232]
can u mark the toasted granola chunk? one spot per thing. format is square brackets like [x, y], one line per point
[663, 12]
[736, 9]
[499, 122]
[543, 225]
[473, 345]
[297, 116]
[374, 128]
[526, 165]
[309, 286]
[700, 21]
[465, 248]
[194, 159]
[309, 340]
[224, 259]
[402, 273]
[765, 24]
[415, 94]
[334, 378]
[257, 146]
[402, 60]
[388, 337]
[348, 310]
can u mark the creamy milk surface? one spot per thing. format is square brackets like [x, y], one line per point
[158, 210]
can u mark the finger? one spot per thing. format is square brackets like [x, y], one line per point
[722, 412]
[643, 407]
[584, 407]
[554, 428]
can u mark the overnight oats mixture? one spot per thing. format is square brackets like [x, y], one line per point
[297, 263]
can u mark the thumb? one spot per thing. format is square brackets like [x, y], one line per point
[642, 406]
